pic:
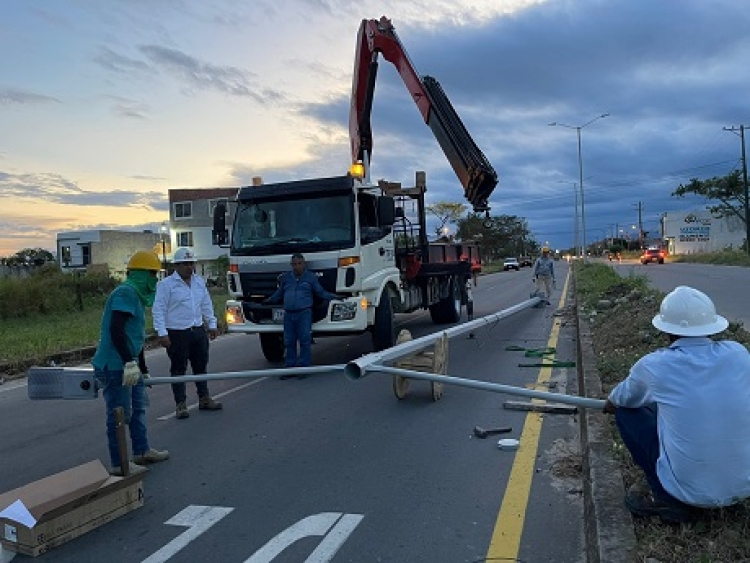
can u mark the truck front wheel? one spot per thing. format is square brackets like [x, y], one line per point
[384, 329]
[272, 345]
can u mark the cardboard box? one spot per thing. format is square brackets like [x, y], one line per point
[67, 505]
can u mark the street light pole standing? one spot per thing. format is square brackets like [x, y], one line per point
[163, 230]
[580, 171]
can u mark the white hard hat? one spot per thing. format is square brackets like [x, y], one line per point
[688, 312]
[183, 255]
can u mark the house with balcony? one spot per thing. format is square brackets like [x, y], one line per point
[191, 219]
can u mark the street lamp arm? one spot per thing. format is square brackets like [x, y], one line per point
[597, 117]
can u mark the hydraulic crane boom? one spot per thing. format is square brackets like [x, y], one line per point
[474, 171]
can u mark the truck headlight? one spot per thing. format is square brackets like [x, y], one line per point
[234, 315]
[344, 311]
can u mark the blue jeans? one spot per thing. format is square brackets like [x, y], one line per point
[134, 401]
[297, 327]
[638, 430]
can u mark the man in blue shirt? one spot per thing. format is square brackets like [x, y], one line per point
[296, 290]
[683, 412]
[544, 273]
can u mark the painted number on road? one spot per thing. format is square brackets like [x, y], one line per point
[197, 519]
[334, 527]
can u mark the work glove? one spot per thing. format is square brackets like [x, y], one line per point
[131, 375]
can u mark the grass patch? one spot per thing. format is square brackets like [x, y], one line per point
[34, 337]
[724, 258]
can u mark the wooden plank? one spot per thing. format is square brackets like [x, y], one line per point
[540, 407]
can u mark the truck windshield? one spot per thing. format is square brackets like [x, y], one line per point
[265, 227]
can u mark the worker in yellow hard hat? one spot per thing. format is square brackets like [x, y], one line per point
[119, 363]
[544, 274]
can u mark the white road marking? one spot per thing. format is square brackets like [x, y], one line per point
[198, 519]
[335, 539]
[315, 525]
[194, 406]
[12, 386]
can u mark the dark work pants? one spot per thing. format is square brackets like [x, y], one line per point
[189, 345]
[638, 430]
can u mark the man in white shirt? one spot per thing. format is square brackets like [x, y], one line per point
[182, 307]
[683, 412]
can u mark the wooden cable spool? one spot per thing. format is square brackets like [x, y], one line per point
[428, 361]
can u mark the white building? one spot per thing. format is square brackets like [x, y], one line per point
[700, 231]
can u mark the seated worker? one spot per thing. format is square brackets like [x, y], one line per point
[682, 412]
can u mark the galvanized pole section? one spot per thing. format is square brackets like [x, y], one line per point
[584, 402]
[358, 368]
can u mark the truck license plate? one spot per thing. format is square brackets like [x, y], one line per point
[278, 315]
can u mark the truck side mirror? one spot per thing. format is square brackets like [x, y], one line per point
[386, 211]
[220, 235]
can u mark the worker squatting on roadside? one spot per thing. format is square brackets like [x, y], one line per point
[544, 273]
[683, 412]
[118, 373]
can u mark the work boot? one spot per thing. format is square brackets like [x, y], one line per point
[643, 503]
[208, 404]
[132, 469]
[181, 411]
[151, 456]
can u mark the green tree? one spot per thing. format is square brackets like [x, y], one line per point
[446, 212]
[727, 190]
[505, 235]
[35, 256]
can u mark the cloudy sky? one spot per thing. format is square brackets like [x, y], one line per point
[105, 105]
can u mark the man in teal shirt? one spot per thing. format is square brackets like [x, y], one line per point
[119, 363]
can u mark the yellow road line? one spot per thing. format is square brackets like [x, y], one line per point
[506, 537]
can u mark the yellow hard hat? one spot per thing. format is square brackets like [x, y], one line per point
[144, 260]
[545, 249]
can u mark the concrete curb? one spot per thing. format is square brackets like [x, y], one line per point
[610, 536]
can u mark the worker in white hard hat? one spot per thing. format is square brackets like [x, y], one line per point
[119, 362]
[544, 273]
[683, 412]
[184, 321]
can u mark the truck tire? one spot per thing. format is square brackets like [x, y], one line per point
[448, 309]
[384, 329]
[272, 345]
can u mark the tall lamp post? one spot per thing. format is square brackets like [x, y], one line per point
[163, 230]
[580, 170]
[575, 224]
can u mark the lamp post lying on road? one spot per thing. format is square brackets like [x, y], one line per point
[580, 170]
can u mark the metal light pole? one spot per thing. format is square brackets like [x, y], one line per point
[575, 224]
[580, 170]
[163, 230]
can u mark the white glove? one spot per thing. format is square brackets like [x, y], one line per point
[131, 375]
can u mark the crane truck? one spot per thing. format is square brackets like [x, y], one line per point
[366, 242]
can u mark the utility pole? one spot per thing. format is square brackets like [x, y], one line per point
[640, 225]
[744, 183]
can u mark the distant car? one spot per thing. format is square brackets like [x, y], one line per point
[525, 261]
[510, 264]
[653, 255]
